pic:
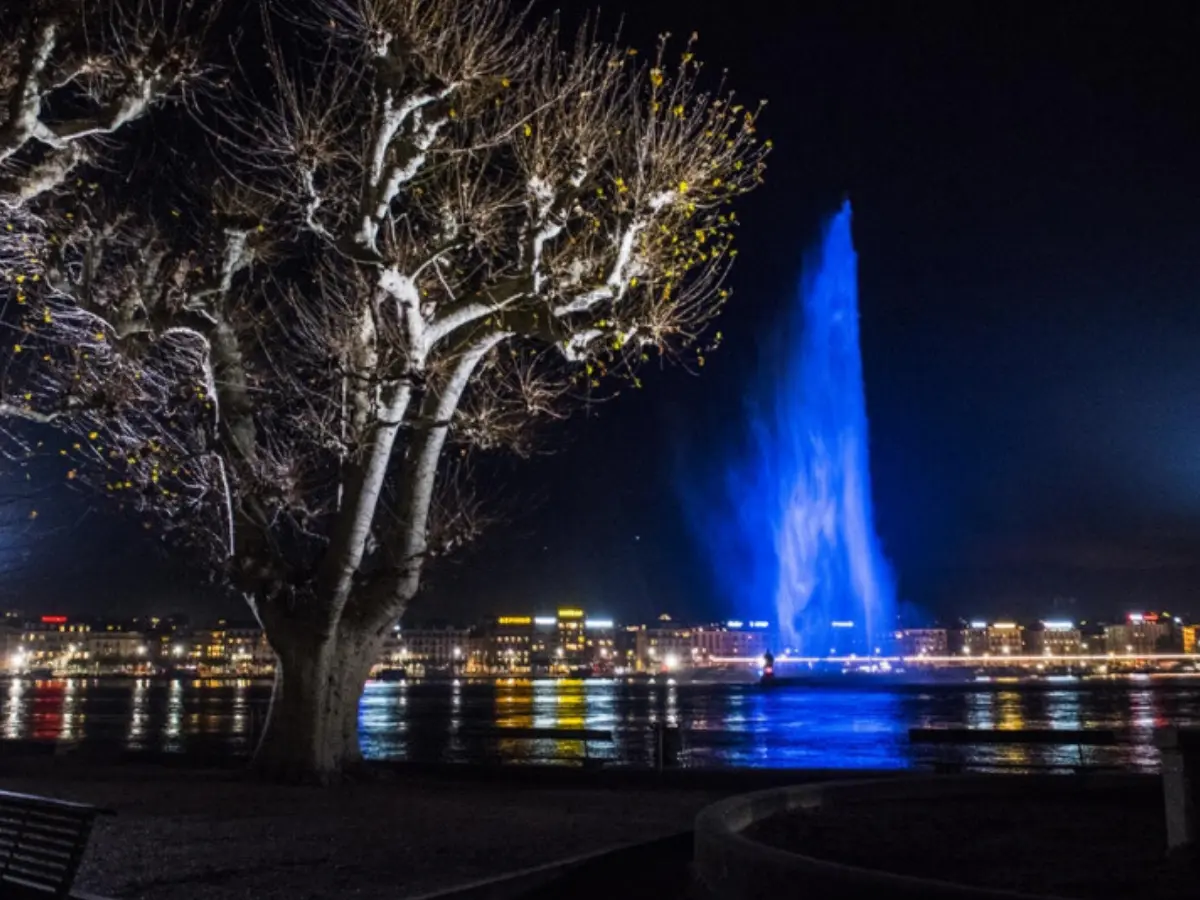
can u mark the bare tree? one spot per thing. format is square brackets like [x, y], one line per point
[414, 229]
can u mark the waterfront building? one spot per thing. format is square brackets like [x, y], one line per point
[1144, 633]
[1054, 637]
[922, 642]
[423, 649]
[600, 636]
[1188, 635]
[671, 648]
[981, 638]
[734, 638]
[973, 640]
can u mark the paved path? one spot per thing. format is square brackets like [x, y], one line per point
[202, 835]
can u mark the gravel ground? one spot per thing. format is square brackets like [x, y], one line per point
[203, 835]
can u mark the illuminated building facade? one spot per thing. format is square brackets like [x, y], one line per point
[922, 642]
[1055, 637]
[1144, 633]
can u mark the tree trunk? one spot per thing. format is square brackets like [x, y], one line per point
[311, 733]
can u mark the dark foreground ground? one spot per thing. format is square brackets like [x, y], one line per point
[202, 834]
[1110, 845]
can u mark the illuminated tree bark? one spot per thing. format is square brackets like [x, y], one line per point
[356, 263]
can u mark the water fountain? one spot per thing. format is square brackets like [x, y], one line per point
[803, 494]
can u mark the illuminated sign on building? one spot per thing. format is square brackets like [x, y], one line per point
[734, 623]
[514, 620]
[598, 623]
[54, 620]
[842, 624]
[759, 624]
[978, 624]
[545, 620]
[1005, 626]
[570, 613]
[1059, 625]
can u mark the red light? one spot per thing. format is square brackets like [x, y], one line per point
[54, 620]
[1150, 617]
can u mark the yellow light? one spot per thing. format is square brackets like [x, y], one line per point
[1004, 626]
[570, 613]
[515, 620]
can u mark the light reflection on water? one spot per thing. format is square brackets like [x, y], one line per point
[723, 724]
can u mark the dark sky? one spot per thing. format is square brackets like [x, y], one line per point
[1027, 215]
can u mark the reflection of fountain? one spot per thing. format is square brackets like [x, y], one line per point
[804, 497]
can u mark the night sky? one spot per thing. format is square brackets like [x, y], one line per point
[1026, 185]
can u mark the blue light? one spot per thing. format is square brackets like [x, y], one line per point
[760, 624]
[598, 623]
[799, 532]
[734, 623]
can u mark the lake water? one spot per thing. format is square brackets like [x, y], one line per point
[722, 725]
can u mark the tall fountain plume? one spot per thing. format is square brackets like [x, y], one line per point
[805, 490]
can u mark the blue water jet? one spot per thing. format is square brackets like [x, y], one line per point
[801, 496]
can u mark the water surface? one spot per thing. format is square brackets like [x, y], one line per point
[723, 725]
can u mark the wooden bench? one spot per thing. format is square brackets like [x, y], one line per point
[41, 845]
[1045, 737]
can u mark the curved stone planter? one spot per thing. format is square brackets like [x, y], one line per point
[730, 866]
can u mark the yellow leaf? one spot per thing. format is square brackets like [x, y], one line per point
[528, 129]
[504, 82]
[683, 187]
[99, 335]
[656, 77]
[16, 348]
[453, 114]
[92, 435]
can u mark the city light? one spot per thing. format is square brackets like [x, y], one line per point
[514, 620]
[671, 662]
[1005, 626]
[734, 623]
[54, 620]
[760, 624]
[544, 620]
[1059, 624]
[842, 624]
[978, 624]
[570, 613]
[598, 623]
